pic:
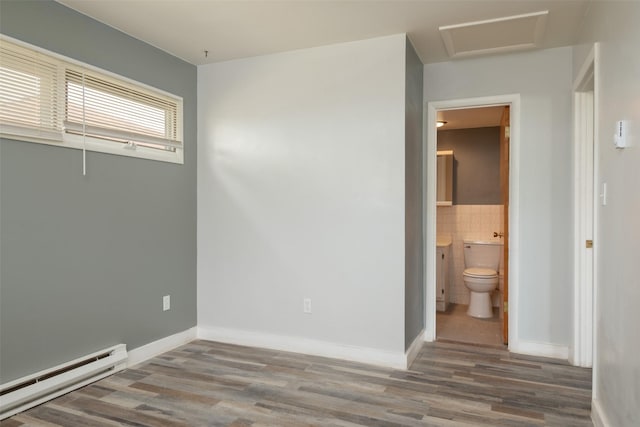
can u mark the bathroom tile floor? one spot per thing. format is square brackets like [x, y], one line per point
[455, 325]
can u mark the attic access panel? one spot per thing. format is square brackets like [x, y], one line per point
[495, 35]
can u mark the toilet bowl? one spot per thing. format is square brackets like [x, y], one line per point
[481, 261]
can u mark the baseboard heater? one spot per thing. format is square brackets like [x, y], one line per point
[27, 392]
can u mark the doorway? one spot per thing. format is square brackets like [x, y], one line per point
[475, 143]
[509, 141]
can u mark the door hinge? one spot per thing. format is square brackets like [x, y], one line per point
[589, 244]
[505, 307]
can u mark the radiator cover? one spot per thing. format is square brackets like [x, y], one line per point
[26, 392]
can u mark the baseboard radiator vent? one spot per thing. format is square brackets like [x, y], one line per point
[27, 392]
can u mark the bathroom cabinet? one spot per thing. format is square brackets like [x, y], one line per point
[443, 252]
[444, 190]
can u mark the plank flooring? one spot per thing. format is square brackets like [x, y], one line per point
[212, 384]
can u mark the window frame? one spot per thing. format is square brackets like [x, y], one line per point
[89, 143]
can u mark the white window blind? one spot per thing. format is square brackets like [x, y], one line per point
[29, 97]
[48, 98]
[107, 109]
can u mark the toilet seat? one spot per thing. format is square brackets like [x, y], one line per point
[480, 273]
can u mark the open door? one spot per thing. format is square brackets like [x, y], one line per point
[504, 190]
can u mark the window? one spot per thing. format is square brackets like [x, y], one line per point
[28, 97]
[49, 99]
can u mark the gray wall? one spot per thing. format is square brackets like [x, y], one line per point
[414, 230]
[543, 80]
[616, 362]
[85, 261]
[476, 167]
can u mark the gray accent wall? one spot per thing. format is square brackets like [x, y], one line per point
[414, 209]
[476, 167]
[85, 260]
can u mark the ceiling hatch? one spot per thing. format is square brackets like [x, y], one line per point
[506, 34]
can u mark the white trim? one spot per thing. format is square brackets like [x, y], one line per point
[513, 100]
[97, 145]
[120, 149]
[584, 210]
[153, 349]
[414, 349]
[598, 416]
[596, 216]
[135, 138]
[586, 71]
[430, 211]
[371, 356]
[540, 349]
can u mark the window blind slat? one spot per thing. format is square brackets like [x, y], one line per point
[16, 131]
[28, 98]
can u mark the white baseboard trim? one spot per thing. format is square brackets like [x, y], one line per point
[598, 415]
[304, 346]
[540, 349]
[414, 349]
[147, 351]
[429, 335]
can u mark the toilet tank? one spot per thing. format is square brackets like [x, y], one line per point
[482, 254]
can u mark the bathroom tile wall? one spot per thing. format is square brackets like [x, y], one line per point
[461, 222]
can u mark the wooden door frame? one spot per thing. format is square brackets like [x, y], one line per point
[585, 147]
[429, 194]
[504, 194]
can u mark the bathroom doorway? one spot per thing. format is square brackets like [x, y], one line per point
[477, 135]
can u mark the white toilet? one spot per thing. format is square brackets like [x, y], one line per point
[481, 262]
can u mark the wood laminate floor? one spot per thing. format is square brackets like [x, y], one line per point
[212, 384]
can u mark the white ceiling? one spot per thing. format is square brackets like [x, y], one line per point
[236, 29]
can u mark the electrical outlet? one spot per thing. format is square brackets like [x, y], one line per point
[166, 302]
[307, 305]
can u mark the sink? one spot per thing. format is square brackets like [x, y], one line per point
[443, 241]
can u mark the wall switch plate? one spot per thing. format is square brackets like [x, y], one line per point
[603, 195]
[307, 305]
[166, 302]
